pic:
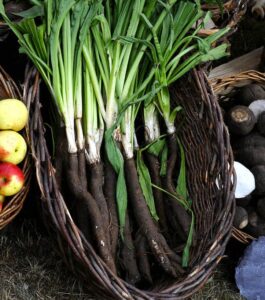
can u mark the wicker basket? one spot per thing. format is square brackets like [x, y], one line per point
[233, 10]
[224, 88]
[209, 163]
[8, 89]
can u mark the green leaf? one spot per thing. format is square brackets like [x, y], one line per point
[163, 170]
[116, 159]
[157, 147]
[181, 182]
[173, 114]
[33, 12]
[186, 251]
[146, 184]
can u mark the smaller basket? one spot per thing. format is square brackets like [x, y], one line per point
[233, 10]
[8, 89]
[224, 88]
[227, 85]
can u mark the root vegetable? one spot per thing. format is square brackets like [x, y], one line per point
[167, 259]
[244, 201]
[96, 187]
[261, 123]
[183, 218]
[240, 120]
[128, 255]
[261, 207]
[241, 218]
[251, 156]
[154, 167]
[259, 174]
[256, 225]
[110, 195]
[142, 258]
[253, 140]
[87, 210]
[249, 93]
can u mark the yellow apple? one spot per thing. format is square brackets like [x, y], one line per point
[13, 147]
[11, 179]
[13, 114]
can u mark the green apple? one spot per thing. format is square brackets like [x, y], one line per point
[11, 179]
[13, 114]
[13, 147]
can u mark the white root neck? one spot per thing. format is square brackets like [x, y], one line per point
[152, 129]
[94, 141]
[70, 134]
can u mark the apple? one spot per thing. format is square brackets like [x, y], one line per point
[13, 147]
[2, 199]
[13, 114]
[11, 179]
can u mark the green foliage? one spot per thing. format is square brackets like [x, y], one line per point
[116, 159]
[146, 184]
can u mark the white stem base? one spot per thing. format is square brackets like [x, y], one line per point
[79, 133]
[70, 134]
[152, 129]
[94, 142]
[171, 128]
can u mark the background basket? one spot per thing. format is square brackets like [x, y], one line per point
[227, 87]
[209, 170]
[13, 206]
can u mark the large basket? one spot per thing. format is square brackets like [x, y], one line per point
[13, 206]
[227, 87]
[209, 170]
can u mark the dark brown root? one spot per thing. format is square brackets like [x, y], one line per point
[154, 167]
[96, 181]
[156, 241]
[88, 213]
[142, 258]
[128, 257]
[110, 195]
[183, 217]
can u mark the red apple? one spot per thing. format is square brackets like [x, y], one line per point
[11, 179]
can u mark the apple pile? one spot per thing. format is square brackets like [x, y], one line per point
[13, 148]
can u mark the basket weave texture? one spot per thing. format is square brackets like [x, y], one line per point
[8, 89]
[209, 170]
[226, 87]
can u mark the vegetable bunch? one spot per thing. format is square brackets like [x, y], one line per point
[108, 66]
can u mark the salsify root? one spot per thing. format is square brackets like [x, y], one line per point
[183, 217]
[143, 259]
[110, 182]
[87, 210]
[167, 259]
[154, 167]
[128, 256]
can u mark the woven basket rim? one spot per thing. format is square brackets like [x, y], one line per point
[224, 85]
[14, 205]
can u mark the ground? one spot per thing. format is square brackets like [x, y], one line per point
[30, 269]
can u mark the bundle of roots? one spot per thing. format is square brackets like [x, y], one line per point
[81, 201]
